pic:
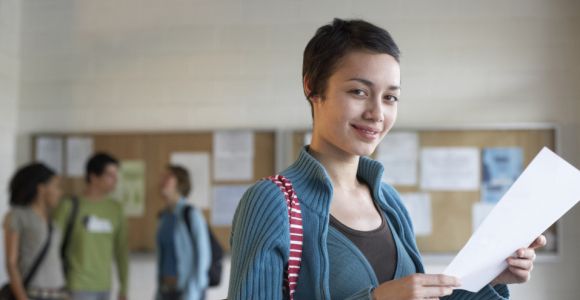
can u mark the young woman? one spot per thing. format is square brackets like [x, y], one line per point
[358, 239]
[34, 193]
[184, 254]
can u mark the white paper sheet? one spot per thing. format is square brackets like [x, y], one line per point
[233, 155]
[49, 150]
[419, 207]
[225, 202]
[545, 191]
[479, 212]
[450, 169]
[78, 152]
[197, 164]
[398, 152]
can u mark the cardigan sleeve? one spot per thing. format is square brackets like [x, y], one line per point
[498, 292]
[260, 242]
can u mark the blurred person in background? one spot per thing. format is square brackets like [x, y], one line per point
[95, 234]
[31, 240]
[183, 244]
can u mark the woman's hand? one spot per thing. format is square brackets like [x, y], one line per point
[416, 286]
[520, 266]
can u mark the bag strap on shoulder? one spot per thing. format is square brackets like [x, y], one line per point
[296, 232]
[40, 257]
[68, 231]
[187, 218]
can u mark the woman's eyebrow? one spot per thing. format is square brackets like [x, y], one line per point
[371, 84]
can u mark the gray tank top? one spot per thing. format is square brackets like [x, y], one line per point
[33, 233]
[376, 245]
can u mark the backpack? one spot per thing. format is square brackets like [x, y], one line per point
[217, 252]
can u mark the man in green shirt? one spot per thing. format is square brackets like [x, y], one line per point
[98, 236]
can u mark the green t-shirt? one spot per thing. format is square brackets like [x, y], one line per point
[99, 236]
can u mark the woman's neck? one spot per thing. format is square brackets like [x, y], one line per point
[40, 208]
[341, 168]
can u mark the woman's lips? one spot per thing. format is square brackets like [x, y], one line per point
[366, 132]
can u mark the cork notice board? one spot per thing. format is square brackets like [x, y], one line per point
[155, 149]
[452, 210]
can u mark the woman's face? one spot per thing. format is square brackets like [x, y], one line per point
[51, 192]
[360, 104]
[168, 185]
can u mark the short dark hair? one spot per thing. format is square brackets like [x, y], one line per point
[333, 41]
[183, 180]
[98, 163]
[24, 184]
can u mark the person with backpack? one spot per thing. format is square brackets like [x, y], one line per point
[337, 231]
[31, 238]
[184, 253]
[95, 234]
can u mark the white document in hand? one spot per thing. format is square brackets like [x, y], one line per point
[545, 191]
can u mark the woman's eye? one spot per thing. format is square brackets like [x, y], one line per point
[391, 98]
[358, 92]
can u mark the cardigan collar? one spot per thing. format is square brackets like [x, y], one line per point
[313, 185]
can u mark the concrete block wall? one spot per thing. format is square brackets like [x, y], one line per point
[9, 84]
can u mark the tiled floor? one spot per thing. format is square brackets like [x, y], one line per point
[142, 280]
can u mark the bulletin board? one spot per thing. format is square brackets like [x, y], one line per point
[452, 210]
[155, 150]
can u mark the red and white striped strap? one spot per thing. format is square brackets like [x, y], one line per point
[296, 232]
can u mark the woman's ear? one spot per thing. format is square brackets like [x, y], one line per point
[308, 90]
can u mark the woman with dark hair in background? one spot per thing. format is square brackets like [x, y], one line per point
[29, 235]
[184, 254]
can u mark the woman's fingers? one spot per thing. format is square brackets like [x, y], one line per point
[521, 274]
[539, 242]
[524, 264]
[433, 292]
[526, 253]
[438, 280]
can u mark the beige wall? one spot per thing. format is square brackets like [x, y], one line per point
[157, 65]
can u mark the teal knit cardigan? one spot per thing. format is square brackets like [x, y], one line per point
[260, 236]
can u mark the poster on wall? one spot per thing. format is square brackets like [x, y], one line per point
[450, 169]
[225, 202]
[501, 167]
[131, 187]
[479, 212]
[49, 150]
[399, 152]
[419, 207]
[233, 155]
[197, 165]
[78, 152]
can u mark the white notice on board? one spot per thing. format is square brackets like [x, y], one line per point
[233, 155]
[419, 207]
[78, 152]
[197, 164]
[450, 169]
[399, 153]
[545, 191]
[479, 212]
[225, 202]
[49, 150]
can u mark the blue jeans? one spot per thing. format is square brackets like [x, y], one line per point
[90, 295]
